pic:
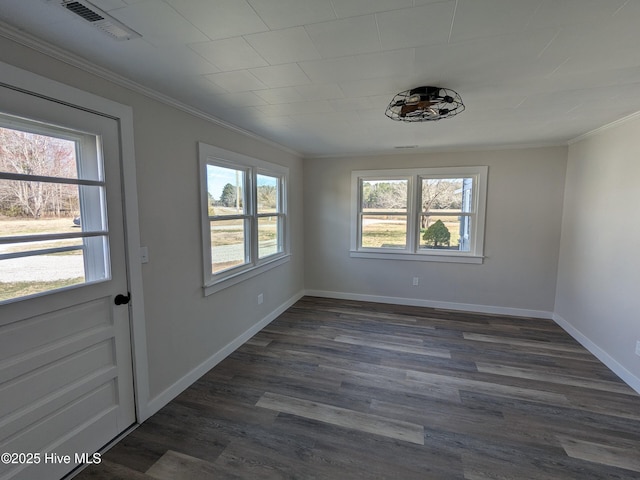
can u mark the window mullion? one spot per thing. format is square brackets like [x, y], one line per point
[251, 239]
[413, 211]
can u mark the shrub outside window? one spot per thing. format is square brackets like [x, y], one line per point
[430, 214]
[244, 215]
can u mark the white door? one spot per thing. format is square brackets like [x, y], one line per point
[66, 382]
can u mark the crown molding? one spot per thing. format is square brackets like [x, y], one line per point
[608, 126]
[436, 150]
[30, 41]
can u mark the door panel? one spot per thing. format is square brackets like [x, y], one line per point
[66, 383]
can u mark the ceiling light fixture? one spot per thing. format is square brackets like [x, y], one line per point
[424, 104]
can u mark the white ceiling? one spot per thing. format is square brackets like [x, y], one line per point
[317, 75]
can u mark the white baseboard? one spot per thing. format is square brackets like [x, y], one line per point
[183, 383]
[418, 302]
[625, 375]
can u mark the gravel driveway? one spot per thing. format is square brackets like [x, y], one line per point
[41, 268]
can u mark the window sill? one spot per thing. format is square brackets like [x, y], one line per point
[419, 257]
[239, 277]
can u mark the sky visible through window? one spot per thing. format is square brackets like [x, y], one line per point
[218, 177]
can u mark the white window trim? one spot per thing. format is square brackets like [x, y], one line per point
[92, 204]
[412, 252]
[211, 155]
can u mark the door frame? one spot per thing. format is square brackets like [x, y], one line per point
[28, 82]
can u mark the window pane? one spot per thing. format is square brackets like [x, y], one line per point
[40, 272]
[268, 233]
[445, 233]
[267, 194]
[14, 226]
[35, 154]
[387, 195]
[44, 208]
[227, 244]
[33, 207]
[225, 187]
[446, 194]
[384, 231]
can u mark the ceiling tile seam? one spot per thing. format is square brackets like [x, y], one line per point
[258, 15]
[375, 15]
[257, 92]
[206, 77]
[544, 49]
[453, 19]
[521, 102]
[269, 87]
[279, 30]
[257, 52]
[341, 91]
[235, 69]
[333, 9]
[305, 74]
[557, 68]
[533, 15]
[186, 20]
[189, 46]
[383, 10]
[375, 18]
[381, 49]
[574, 107]
[30, 41]
[289, 26]
[620, 8]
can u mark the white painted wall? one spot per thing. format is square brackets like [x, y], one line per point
[598, 292]
[522, 235]
[185, 330]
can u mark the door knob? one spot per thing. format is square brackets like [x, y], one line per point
[122, 299]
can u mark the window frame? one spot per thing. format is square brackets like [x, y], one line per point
[414, 177]
[253, 265]
[91, 185]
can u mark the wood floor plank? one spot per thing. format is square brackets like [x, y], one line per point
[536, 344]
[343, 417]
[342, 389]
[626, 458]
[178, 466]
[529, 394]
[395, 347]
[429, 391]
[111, 471]
[551, 376]
[258, 341]
[372, 456]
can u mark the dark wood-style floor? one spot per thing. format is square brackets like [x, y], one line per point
[337, 389]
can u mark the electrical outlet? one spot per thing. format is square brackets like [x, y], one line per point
[416, 281]
[638, 348]
[260, 299]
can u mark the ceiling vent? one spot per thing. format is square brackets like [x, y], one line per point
[99, 19]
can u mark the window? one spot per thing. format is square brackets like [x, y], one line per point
[53, 219]
[244, 213]
[430, 214]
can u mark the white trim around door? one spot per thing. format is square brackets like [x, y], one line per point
[29, 82]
